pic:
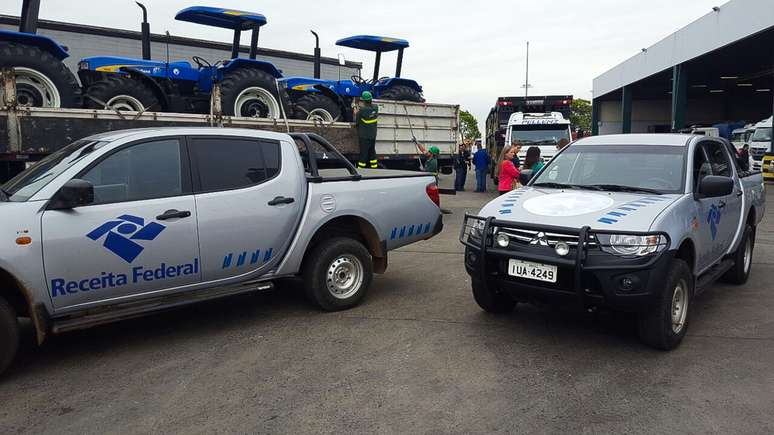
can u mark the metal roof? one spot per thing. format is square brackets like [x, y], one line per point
[733, 21]
[373, 43]
[220, 17]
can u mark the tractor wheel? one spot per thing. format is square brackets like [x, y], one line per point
[122, 93]
[402, 93]
[42, 80]
[252, 93]
[316, 106]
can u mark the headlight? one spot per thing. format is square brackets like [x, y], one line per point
[629, 245]
[475, 229]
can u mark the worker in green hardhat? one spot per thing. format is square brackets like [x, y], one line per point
[366, 119]
[432, 153]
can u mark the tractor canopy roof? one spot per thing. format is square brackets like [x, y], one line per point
[220, 17]
[373, 43]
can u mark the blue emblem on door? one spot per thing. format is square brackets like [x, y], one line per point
[713, 219]
[122, 233]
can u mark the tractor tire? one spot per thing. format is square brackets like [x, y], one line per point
[42, 80]
[402, 93]
[122, 93]
[252, 93]
[317, 106]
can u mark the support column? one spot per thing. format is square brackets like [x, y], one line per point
[594, 117]
[679, 96]
[626, 110]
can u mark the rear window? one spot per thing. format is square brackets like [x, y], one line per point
[233, 163]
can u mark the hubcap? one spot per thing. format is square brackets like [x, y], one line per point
[679, 306]
[319, 115]
[256, 102]
[34, 89]
[344, 276]
[747, 255]
[125, 103]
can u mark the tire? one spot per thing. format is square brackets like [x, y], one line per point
[122, 93]
[340, 257]
[9, 335]
[492, 300]
[42, 79]
[742, 259]
[656, 324]
[316, 104]
[255, 92]
[402, 93]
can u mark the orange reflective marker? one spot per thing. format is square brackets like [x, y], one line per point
[25, 240]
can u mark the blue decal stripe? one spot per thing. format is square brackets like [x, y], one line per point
[411, 231]
[605, 220]
[255, 257]
[617, 214]
[505, 211]
[267, 257]
[427, 227]
[402, 232]
[627, 208]
[241, 259]
[394, 233]
[227, 260]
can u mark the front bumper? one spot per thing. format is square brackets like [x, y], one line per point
[586, 277]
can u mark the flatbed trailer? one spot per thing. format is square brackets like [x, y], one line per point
[28, 134]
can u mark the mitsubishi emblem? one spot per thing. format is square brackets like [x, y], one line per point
[540, 239]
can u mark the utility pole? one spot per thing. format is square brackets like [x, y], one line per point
[526, 84]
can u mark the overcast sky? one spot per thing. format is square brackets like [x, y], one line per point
[460, 52]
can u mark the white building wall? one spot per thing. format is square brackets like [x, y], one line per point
[649, 113]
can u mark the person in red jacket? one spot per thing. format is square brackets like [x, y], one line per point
[509, 173]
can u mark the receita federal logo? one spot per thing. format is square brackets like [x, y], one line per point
[121, 235]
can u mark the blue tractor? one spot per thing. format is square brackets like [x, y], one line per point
[42, 79]
[248, 86]
[330, 100]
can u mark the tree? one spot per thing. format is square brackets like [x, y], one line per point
[581, 114]
[469, 126]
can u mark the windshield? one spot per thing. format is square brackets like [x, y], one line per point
[651, 167]
[762, 134]
[29, 182]
[539, 134]
[737, 137]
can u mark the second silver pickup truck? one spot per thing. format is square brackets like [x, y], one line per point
[125, 223]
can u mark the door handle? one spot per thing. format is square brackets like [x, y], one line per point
[171, 214]
[721, 204]
[281, 200]
[740, 193]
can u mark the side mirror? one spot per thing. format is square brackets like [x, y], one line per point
[713, 186]
[74, 193]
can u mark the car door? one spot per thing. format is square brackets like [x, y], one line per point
[249, 197]
[703, 221]
[728, 209]
[138, 236]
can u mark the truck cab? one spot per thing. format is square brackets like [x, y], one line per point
[760, 143]
[544, 130]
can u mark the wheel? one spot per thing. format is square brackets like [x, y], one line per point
[122, 93]
[252, 93]
[316, 106]
[9, 334]
[402, 93]
[42, 80]
[742, 259]
[492, 300]
[338, 273]
[664, 324]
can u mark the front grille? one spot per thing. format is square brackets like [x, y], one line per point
[540, 238]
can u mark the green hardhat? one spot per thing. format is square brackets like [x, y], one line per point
[366, 96]
[434, 150]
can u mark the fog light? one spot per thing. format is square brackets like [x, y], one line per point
[503, 240]
[627, 283]
[472, 257]
[562, 248]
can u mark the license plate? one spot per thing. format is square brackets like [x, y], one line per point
[530, 270]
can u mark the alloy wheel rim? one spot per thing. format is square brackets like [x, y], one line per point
[35, 89]
[125, 103]
[344, 276]
[319, 115]
[256, 102]
[679, 306]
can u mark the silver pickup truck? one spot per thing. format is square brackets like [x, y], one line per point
[129, 222]
[638, 223]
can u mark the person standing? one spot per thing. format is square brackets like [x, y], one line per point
[461, 165]
[533, 161]
[509, 173]
[431, 154]
[366, 119]
[481, 162]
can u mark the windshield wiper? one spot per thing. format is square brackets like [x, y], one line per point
[621, 188]
[552, 185]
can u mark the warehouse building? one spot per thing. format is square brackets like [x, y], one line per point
[84, 41]
[719, 68]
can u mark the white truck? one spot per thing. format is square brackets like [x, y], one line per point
[760, 143]
[544, 130]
